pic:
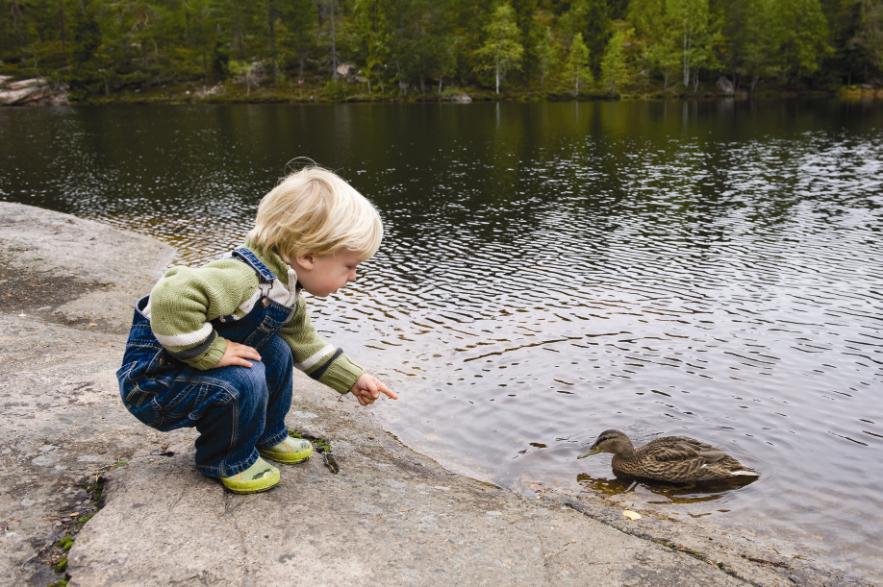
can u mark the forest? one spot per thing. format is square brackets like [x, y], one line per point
[388, 49]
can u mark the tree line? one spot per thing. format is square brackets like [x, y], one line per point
[392, 47]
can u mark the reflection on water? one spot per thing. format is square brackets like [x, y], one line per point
[554, 270]
[682, 494]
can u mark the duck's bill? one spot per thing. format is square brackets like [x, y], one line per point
[588, 453]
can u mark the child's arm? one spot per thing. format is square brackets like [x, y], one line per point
[316, 357]
[185, 300]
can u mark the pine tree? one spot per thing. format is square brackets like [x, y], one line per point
[801, 33]
[614, 70]
[548, 58]
[372, 24]
[301, 24]
[869, 37]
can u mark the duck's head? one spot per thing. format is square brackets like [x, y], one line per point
[612, 441]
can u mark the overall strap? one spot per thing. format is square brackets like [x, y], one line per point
[245, 255]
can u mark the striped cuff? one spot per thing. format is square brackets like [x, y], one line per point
[194, 352]
[211, 356]
[341, 374]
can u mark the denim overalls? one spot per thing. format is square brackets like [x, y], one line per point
[235, 409]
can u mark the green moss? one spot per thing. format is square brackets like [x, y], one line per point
[322, 445]
[65, 542]
[60, 566]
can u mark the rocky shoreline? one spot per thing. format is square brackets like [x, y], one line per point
[390, 516]
[31, 92]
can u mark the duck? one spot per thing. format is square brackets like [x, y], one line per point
[670, 459]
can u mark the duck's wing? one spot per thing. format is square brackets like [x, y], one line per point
[713, 455]
[684, 459]
[672, 449]
[680, 448]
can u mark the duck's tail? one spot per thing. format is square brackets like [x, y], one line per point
[744, 473]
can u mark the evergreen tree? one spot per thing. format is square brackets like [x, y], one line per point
[532, 32]
[801, 36]
[614, 70]
[592, 19]
[548, 58]
[759, 41]
[597, 32]
[469, 20]
[422, 49]
[328, 13]
[372, 24]
[869, 38]
[649, 20]
[301, 25]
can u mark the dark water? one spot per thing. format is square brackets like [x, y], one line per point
[552, 270]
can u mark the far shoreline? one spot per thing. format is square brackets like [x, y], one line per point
[272, 97]
[190, 93]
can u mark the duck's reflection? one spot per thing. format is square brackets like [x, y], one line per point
[681, 494]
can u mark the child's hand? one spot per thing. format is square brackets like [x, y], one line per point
[368, 388]
[236, 354]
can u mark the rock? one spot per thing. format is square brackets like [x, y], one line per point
[345, 69]
[31, 91]
[461, 99]
[350, 74]
[725, 86]
[27, 84]
[214, 90]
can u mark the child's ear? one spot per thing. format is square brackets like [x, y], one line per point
[305, 261]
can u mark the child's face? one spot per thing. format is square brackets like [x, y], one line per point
[322, 275]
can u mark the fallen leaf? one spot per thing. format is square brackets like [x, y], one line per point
[631, 515]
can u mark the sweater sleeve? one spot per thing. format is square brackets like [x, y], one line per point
[185, 300]
[316, 357]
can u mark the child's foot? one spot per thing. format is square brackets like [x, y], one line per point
[261, 476]
[289, 451]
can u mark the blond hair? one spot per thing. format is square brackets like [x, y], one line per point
[314, 211]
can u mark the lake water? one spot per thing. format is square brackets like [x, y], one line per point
[552, 270]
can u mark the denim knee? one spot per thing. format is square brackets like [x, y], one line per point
[278, 362]
[249, 388]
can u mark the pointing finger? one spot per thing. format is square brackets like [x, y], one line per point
[389, 393]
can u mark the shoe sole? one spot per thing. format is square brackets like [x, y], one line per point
[285, 462]
[249, 491]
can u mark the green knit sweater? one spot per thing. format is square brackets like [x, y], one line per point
[186, 299]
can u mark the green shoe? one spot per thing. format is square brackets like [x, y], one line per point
[289, 451]
[261, 476]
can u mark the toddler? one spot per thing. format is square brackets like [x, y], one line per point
[213, 347]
